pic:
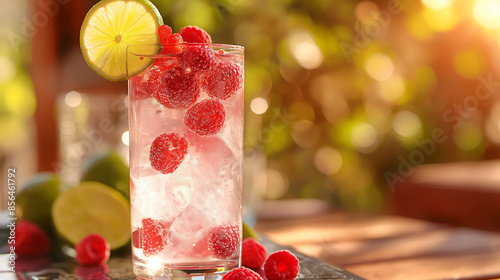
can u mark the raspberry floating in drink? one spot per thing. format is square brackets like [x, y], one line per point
[152, 79]
[223, 240]
[224, 81]
[179, 88]
[167, 152]
[205, 117]
[199, 57]
[153, 236]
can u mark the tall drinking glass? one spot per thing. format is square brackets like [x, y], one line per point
[186, 141]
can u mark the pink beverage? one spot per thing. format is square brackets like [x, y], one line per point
[186, 140]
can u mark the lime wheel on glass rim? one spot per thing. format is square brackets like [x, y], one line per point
[113, 25]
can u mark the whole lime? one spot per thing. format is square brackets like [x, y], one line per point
[34, 200]
[108, 169]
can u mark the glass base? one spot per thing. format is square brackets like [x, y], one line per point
[199, 271]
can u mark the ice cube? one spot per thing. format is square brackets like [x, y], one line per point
[189, 228]
[162, 197]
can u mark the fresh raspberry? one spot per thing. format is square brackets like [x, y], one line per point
[92, 250]
[153, 236]
[172, 44]
[199, 57]
[262, 274]
[281, 265]
[242, 273]
[194, 34]
[179, 89]
[31, 240]
[167, 152]
[164, 31]
[205, 117]
[151, 81]
[223, 240]
[253, 254]
[223, 81]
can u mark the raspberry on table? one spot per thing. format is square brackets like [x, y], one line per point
[223, 81]
[179, 88]
[31, 240]
[199, 57]
[92, 250]
[167, 152]
[253, 254]
[152, 236]
[223, 240]
[281, 265]
[242, 273]
[194, 34]
[205, 117]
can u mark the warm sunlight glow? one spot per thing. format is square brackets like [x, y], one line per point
[437, 4]
[487, 13]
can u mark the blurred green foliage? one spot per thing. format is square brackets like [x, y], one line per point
[354, 88]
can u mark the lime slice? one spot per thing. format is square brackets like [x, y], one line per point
[112, 25]
[89, 208]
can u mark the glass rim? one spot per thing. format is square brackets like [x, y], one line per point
[213, 45]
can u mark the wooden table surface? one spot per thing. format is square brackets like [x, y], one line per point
[390, 247]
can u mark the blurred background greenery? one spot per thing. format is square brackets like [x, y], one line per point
[338, 93]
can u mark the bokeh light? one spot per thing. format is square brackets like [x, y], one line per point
[437, 4]
[8, 69]
[363, 136]
[73, 99]
[468, 136]
[407, 124]
[366, 11]
[441, 20]
[469, 63]
[259, 105]
[379, 66]
[328, 160]
[487, 13]
[305, 50]
[392, 89]
[305, 133]
[125, 138]
[277, 184]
